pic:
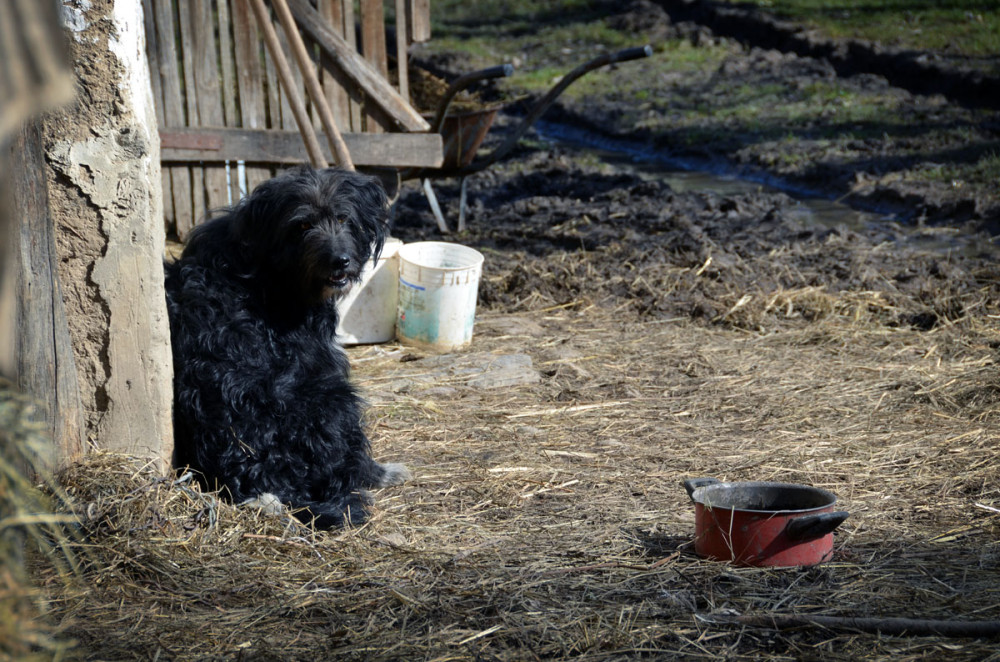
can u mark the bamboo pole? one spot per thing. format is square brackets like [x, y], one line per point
[337, 145]
[285, 74]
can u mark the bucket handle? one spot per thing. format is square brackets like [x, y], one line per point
[691, 484]
[811, 527]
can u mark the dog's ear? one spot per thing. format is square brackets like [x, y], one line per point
[375, 205]
[255, 219]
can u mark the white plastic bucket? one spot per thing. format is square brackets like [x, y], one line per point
[368, 312]
[438, 288]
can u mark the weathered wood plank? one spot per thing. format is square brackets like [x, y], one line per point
[186, 19]
[209, 97]
[250, 80]
[181, 145]
[228, 66]
[153, 55]
[173, 110]
[287, 100]
[351, 37]
[310, 78]
[375, 87]
[373, 48]
[333, 13]
[402, 42]
[418, 19]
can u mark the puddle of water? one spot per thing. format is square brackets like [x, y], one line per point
[684, 175]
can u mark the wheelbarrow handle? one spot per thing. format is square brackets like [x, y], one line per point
[462, 82]
[550, 97]
[636, 53]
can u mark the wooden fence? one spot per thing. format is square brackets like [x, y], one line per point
[225, 121]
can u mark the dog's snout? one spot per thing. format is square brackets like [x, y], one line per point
[341, 261]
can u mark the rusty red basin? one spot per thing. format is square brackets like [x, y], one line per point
[763, 524]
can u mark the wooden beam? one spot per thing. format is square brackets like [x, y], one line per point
[398, 150]
[356, 67]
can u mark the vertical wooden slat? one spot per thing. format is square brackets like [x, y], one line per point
[186, 17]
[402, 41]
[332, 12]
[209, 97]
[173, 110]
[373, 46]
[418, 19]
[287, 114]
[228, 84]
[250, 80]
[352, 40]
[153, 58]
[271, 87]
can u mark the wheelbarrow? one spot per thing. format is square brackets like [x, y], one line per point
[463, 133]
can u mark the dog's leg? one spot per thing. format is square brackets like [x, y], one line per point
[393, 473]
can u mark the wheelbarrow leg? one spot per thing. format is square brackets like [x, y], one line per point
[435, 207]
[463, 187]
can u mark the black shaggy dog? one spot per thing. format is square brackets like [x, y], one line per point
[263, 407]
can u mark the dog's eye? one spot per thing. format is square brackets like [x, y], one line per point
[305, 225]
[341, 220]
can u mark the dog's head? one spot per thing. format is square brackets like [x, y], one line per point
[312, 230]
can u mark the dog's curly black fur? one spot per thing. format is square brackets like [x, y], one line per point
[263, 406]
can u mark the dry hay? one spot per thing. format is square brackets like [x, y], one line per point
[26, 518]
[547, 520]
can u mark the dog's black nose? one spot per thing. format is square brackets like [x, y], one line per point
[341, 261]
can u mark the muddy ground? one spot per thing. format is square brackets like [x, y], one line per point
[730, 89]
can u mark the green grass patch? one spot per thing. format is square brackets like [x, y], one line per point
[961, 27]
[983, 171]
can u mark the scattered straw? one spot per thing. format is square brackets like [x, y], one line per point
[548, 520]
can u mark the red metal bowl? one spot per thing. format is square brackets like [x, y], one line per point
[763, 524]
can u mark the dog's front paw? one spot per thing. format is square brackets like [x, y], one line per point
[267, 502]
[394, 473]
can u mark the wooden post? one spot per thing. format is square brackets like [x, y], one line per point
[45, 366]
[102, 161]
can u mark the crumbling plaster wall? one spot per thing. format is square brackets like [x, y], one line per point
[106, 201]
